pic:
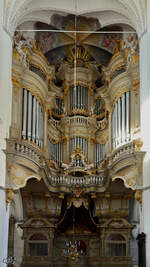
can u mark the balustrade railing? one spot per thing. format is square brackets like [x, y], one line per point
[73, 181]
[54, 122]
[128, 149]
[27, 150]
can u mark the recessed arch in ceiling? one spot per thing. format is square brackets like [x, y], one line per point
[121, 11]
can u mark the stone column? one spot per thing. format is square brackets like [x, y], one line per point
[5, 118]
[145, 128]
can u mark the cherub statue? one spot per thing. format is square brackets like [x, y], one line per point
[22, 47]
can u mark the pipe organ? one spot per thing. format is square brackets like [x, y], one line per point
[100, 153]
[79, 142]
[78, 98]
[79, 118]
[121, 121]
[32, 119]
[55, 151]
[84, 121]
[98, 109]
[59, 110]
[77, 136]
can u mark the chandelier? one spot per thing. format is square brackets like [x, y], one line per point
[74, 248]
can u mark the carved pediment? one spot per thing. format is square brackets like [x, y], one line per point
[117, 223]
[37, 223]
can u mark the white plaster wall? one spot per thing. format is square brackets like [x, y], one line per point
[5, 113]
[145, 127]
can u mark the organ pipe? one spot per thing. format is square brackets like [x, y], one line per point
[100, 153]
[37, 123]
[116, 124]
[78, 142]
[24, 130]
[55, 151]
[78, 97]
[121, 120]
[32, 128]
[29, 115]
[34, 119]
[127, 116]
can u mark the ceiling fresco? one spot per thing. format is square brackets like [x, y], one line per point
[55, 43]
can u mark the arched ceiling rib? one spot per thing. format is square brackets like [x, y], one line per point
[122, 11]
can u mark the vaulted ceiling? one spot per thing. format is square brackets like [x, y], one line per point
[108, 12]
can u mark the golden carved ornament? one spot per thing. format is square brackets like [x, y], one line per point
[101, 165]
[15, 54]
[78, 111]
[9, 195]
[8, 168]
[81, 54]
[135, 58]
[16, 81]
[138, 196]
[138, 144]
[91, 89]
[61, 196]
[77, 191]
[93, 195]
[65, 139]
[38, 50]
[92, 139]
[77, 202]
[53, 140]
[136, 85]
[66, 87]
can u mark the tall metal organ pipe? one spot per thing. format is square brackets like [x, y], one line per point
[56, 152]
[78, 97]
[32, 119]
[78, 142]
[100, 153]
[121, 121]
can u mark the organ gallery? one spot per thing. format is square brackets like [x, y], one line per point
[74, 154]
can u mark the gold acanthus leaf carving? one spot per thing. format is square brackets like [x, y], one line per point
[9, 195]
[138, 196]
